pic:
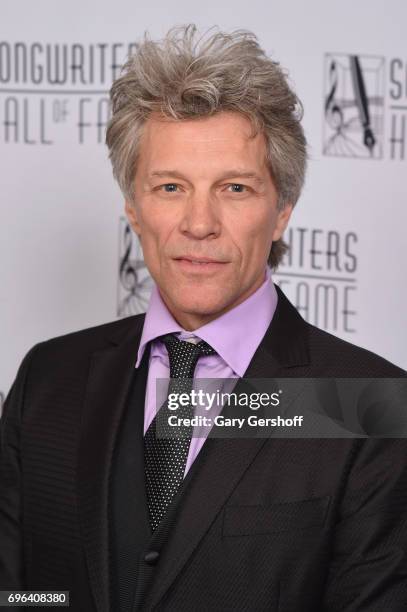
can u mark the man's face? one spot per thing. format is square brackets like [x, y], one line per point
[202, 190]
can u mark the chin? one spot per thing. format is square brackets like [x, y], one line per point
[198, 306]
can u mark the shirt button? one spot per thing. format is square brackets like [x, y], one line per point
[151, 557]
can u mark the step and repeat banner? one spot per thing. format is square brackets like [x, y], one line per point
[68, 259]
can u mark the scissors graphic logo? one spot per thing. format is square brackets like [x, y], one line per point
[353, 106]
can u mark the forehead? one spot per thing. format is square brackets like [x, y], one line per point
[221, 138]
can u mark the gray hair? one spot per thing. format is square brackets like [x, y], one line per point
[184, 78]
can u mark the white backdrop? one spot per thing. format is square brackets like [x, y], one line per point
[67, 260]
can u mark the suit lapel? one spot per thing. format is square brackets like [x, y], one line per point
[221, 463]
[110, 375]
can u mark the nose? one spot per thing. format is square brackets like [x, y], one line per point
[201, 217]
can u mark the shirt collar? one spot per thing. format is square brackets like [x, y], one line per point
[224, 334]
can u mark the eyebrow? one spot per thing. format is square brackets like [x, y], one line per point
[228, 174]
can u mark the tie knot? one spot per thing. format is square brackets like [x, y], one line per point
[183, 355]
[175, 345]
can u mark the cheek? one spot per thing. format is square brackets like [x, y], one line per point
[252, 229]
[156, 227]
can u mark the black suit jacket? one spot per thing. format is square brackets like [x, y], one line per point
[258, 524]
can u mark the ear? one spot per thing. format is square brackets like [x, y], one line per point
[131, 214]
[283, 217]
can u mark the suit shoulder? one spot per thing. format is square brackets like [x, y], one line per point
[344, 358]
[92, 338]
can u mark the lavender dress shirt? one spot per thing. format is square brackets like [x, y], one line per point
[234, 349]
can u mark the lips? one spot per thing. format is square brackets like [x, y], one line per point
[202, 265]
[199, 260]
[199, 263]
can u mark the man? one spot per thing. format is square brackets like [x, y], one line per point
[206, 144]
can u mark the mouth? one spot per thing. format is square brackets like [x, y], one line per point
[205, 264]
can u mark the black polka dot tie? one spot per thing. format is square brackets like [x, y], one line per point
[166, 457]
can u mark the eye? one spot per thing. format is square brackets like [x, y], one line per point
[237, 187]
[169, 187]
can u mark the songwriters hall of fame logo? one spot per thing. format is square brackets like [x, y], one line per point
[354, 106]
[57, 92]
[135, 283]
[319, 276]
